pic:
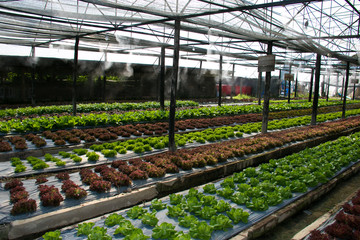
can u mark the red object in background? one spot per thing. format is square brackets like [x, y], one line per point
[226, 90]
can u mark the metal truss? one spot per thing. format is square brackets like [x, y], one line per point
[235, 29]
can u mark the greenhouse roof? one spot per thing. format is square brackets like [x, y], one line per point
[238, 30]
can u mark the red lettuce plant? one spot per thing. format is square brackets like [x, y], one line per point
[17, 189]
[117, 163]
[91, 177]
[74, 140]
[24, 206]
[186, 164]
[156, 172]
[41, 180]
[138, 174]
[127, 169]
[75, 193]
[63, 176]
[100, 186]
[355, 209]
[5, 147]
[38, 141]
[13, 183]
[19, 195]
[115, 177]
[339, 230]
[59, 142]
[50, 195]
[90, 139]
[356, 200]
[67, 184]
[171, 168]
[135, 161]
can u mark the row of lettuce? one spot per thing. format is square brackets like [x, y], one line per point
[76, 135]
[90, 120]
[99, 107]
[209, 210]
[134, 171]
[89, 107]
[140, 145]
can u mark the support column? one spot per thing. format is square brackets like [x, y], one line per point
[75, 69]
[316, 92]
[285, 87]
[33, 76]
[174, 78]
[259, 87]
[345, 88]
[342, 88]
[289, 92]
[220, 79]
[328, 89]
[265, 118]
[311, 84]
[296, 83]
[104, 87]
[162, 79]
[353, 98]
[232, 82]
[337, 84]
[104, 80]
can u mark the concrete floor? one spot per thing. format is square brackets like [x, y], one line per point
[287, 229]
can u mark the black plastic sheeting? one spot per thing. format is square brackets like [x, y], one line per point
[255, 216]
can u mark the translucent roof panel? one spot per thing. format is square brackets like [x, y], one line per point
[237, 29]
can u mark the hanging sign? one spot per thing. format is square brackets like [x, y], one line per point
[266, 63]
[288, 77]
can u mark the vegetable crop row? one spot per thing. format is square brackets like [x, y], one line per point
[89, 107]
[63, 122]
[122, 173]
[74, 136]
[141, 145]
[231, 202]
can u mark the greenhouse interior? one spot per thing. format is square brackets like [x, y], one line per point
[180, 119]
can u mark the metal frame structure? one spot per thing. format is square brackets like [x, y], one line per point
[297, 32]
[238, 30]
